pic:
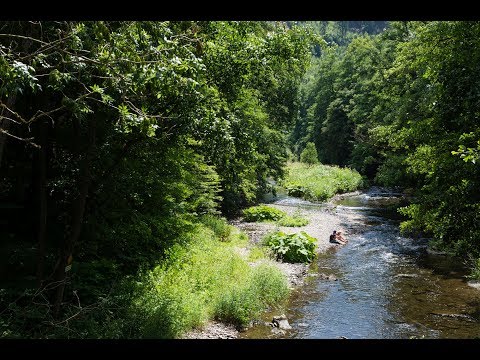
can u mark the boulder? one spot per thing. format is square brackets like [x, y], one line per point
[281, 322]
[474, 284]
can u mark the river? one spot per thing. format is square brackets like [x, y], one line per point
[388, 286]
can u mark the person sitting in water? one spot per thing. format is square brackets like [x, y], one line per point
[337, 238]
[341, 238]
[333, 237]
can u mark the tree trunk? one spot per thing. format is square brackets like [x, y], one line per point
[42, 199]
[78, 209]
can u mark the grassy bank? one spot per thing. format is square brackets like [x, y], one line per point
[202, 277]
[319, 182]
[205, 280]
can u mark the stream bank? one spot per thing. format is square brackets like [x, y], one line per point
[323, 219]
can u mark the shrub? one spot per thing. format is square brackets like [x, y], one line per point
[270, 285]
[293, 248]
[237, 306]
[262, 213]
[299, 191]
[267, 213]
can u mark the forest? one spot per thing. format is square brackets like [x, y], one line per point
[126, 145]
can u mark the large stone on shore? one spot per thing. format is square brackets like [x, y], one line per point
[281, 322]
[474, 284]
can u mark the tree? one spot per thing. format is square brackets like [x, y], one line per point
[309, 154]
[119, 135]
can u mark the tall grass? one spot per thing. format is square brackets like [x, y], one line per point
[319, 182]
[205, 280]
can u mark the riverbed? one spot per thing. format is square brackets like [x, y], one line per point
[388, 285]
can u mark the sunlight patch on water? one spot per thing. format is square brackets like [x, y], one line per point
[389, 257]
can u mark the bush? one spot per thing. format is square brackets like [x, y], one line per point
[299, 191]
[262, 213]
[267, 213]
[293, 248]
[237, 306]
[269, 284]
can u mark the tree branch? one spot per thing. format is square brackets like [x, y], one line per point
[12, 112]
[24, 37]
[27, 140]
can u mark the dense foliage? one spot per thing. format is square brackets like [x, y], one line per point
[293, 248]
[121, 142]
[194, 283]
[201, 282]
[402, 108]
[117, 138]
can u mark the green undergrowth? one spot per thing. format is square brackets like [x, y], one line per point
[292, 248]
[207, 280]
[270, 214]
[201, 278]
[475, 270]
[262, 213]
[319, 182]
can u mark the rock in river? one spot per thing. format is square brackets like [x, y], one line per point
[281, 322]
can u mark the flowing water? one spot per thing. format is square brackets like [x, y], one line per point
[388, 286]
